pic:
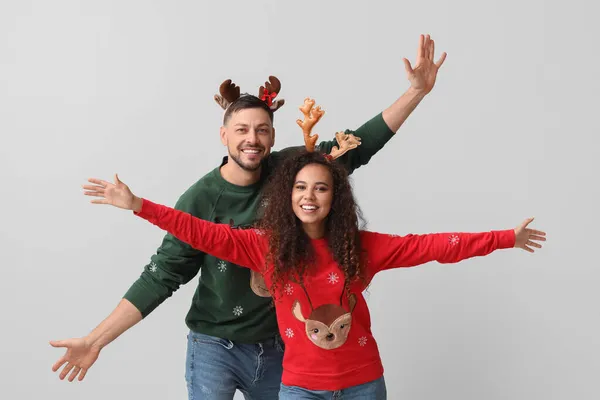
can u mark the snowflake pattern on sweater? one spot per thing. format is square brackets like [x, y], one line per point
[325, 324]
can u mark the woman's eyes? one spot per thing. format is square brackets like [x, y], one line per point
[320, 189]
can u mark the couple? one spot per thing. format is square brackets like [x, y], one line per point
[314, 259]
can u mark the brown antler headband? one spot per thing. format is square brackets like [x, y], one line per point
[230, 92]
[312, 115]
[269, 91]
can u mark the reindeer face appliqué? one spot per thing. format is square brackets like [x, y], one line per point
[258, 285]
[328, 325]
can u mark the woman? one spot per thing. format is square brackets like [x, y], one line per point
[316, 263]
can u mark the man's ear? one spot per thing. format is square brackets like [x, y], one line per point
[223, 134]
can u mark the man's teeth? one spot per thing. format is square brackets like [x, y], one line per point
[309, 207]
[251, 151]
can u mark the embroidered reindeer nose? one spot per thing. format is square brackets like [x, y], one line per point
[330, 337]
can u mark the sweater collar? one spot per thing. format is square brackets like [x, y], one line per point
[233, 187]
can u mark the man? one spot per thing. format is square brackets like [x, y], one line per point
[233, 342]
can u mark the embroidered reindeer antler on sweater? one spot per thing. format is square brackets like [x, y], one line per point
[312, 115]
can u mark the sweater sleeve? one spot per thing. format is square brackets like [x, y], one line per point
[243, 247]
[385, 251]
[172, 265]
[374, 134]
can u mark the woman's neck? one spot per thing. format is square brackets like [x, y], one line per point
[314, 231]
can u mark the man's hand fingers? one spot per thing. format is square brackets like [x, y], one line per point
[74, 373]
[82, 374]
[421, 48]
[431, 50]
[426, 46]
[59, 364]
[59, 343]
[66, 370]
[441, 60]
[408, 67]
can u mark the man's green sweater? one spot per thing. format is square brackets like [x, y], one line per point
[224, 305]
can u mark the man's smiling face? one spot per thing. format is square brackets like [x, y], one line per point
[249, 136]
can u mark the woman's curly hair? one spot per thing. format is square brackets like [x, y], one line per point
[290, 252]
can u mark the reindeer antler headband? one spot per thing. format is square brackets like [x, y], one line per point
[312, 115]
[230, 92]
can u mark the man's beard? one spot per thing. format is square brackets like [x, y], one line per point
[245, 167]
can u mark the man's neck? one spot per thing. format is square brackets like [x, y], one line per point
[236, 175]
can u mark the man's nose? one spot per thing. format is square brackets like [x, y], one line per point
[252, 137]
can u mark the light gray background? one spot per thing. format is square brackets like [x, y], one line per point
[93, 88]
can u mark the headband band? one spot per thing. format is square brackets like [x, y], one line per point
[230, 92]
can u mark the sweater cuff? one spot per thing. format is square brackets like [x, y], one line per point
[506, 238]
[141, 295]
[378, 131]
[149, 209]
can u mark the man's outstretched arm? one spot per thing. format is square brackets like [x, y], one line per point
[82, 353]
[422, 79]
[376, 132]
[174, 264]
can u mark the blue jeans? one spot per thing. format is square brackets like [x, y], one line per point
[216, 368]
[374, 390]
